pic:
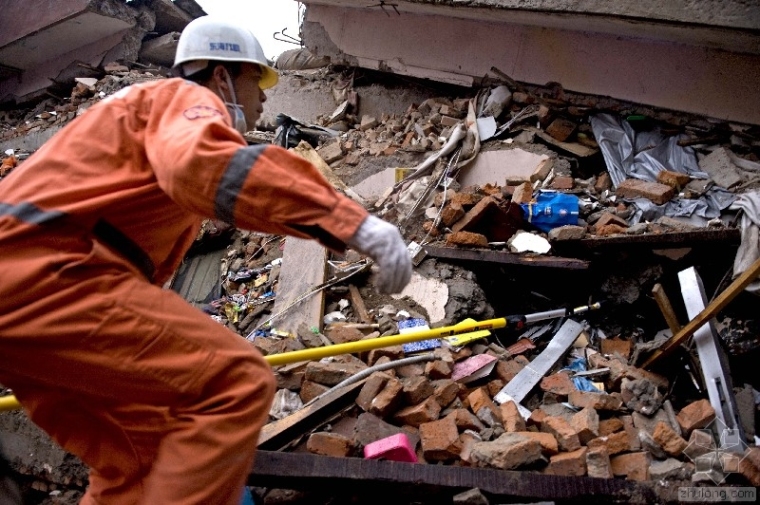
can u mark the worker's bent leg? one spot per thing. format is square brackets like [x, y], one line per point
[161, 402]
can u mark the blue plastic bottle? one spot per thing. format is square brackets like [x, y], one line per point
[551, 209]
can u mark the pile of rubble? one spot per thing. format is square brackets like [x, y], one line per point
[484, 172]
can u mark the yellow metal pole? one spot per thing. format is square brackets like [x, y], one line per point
[380, 342]
[10, 403]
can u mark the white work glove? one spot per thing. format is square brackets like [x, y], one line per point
[382, 242]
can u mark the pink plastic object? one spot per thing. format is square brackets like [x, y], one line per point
[393, 448]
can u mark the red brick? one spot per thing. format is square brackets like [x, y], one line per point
[477, 213]
[439, 369]
[675, 180]
[598, 463]
[597, 401]
[506, 370]
[310, 390]
[617, 345]
[330, 444]
[670, 441]
[415, 415]
[610, 218]
[571, 464]
[479, 399]
[634, 466]
[388, 400]
[614, 443]
[562, 431]
[340, 334]
[523, 193]
[609, 426]
[558, 383]
[586, 425]
[451, 213]
[439, 439]
[696, 415]
[603, 182]
[563, 182]
[511, 418]
[466, 239]
[549, 445]
[333, 372]
[561, 129]
[609, 230]
[417, 389]
[466, 420]
[654, 191]
[749, 466]
[375, 383]
[445, 391]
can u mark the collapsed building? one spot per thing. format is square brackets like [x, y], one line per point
[555, 220]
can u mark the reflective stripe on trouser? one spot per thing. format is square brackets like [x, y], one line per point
[161, 402]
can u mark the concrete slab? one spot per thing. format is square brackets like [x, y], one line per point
[498, 167]
[692, 67]
[432, 294]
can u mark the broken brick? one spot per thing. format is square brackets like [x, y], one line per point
[609, 426]
[479, 399]
[598, 463]
[572, 464]
[511, 418]
[330, 444]
[696, 415]
[506, 370]
[509, 451]
[332, 373]
[445, 391]
[439, 439]
[670, 441]
[653, 191]
[561, 129]
[417, 389]
[371, 388]
[560, 429]
[614, 443]
[634, 466]
[596, 401]
[467, 239]
[439, 369]
[466, 420]
[310, 390]
[559, 383]
[451, 213]
[386, 402]
[675, 180]
[549, 444]
[586, 425]
[415, 415]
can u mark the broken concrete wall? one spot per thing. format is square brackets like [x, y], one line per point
[45, 44]
[684, 66]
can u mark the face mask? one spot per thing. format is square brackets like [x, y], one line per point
[236, 111]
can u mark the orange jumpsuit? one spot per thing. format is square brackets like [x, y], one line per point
[161, 402]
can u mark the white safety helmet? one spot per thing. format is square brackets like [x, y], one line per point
[213, 38]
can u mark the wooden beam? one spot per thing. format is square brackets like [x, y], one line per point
[505, 257]
[358, 303]
[402, 482]
[303, 268]
[666, 308]
[708, 313]
[279, 433]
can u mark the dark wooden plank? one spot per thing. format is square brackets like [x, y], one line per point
[505, 257]
[723, 236]
[279, 433]
[307, 472]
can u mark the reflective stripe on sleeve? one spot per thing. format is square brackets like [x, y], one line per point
[29, 213]
[233, 179]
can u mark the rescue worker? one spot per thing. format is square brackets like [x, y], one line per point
[160, 401]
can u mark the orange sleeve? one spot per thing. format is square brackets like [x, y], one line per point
[207, 167]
